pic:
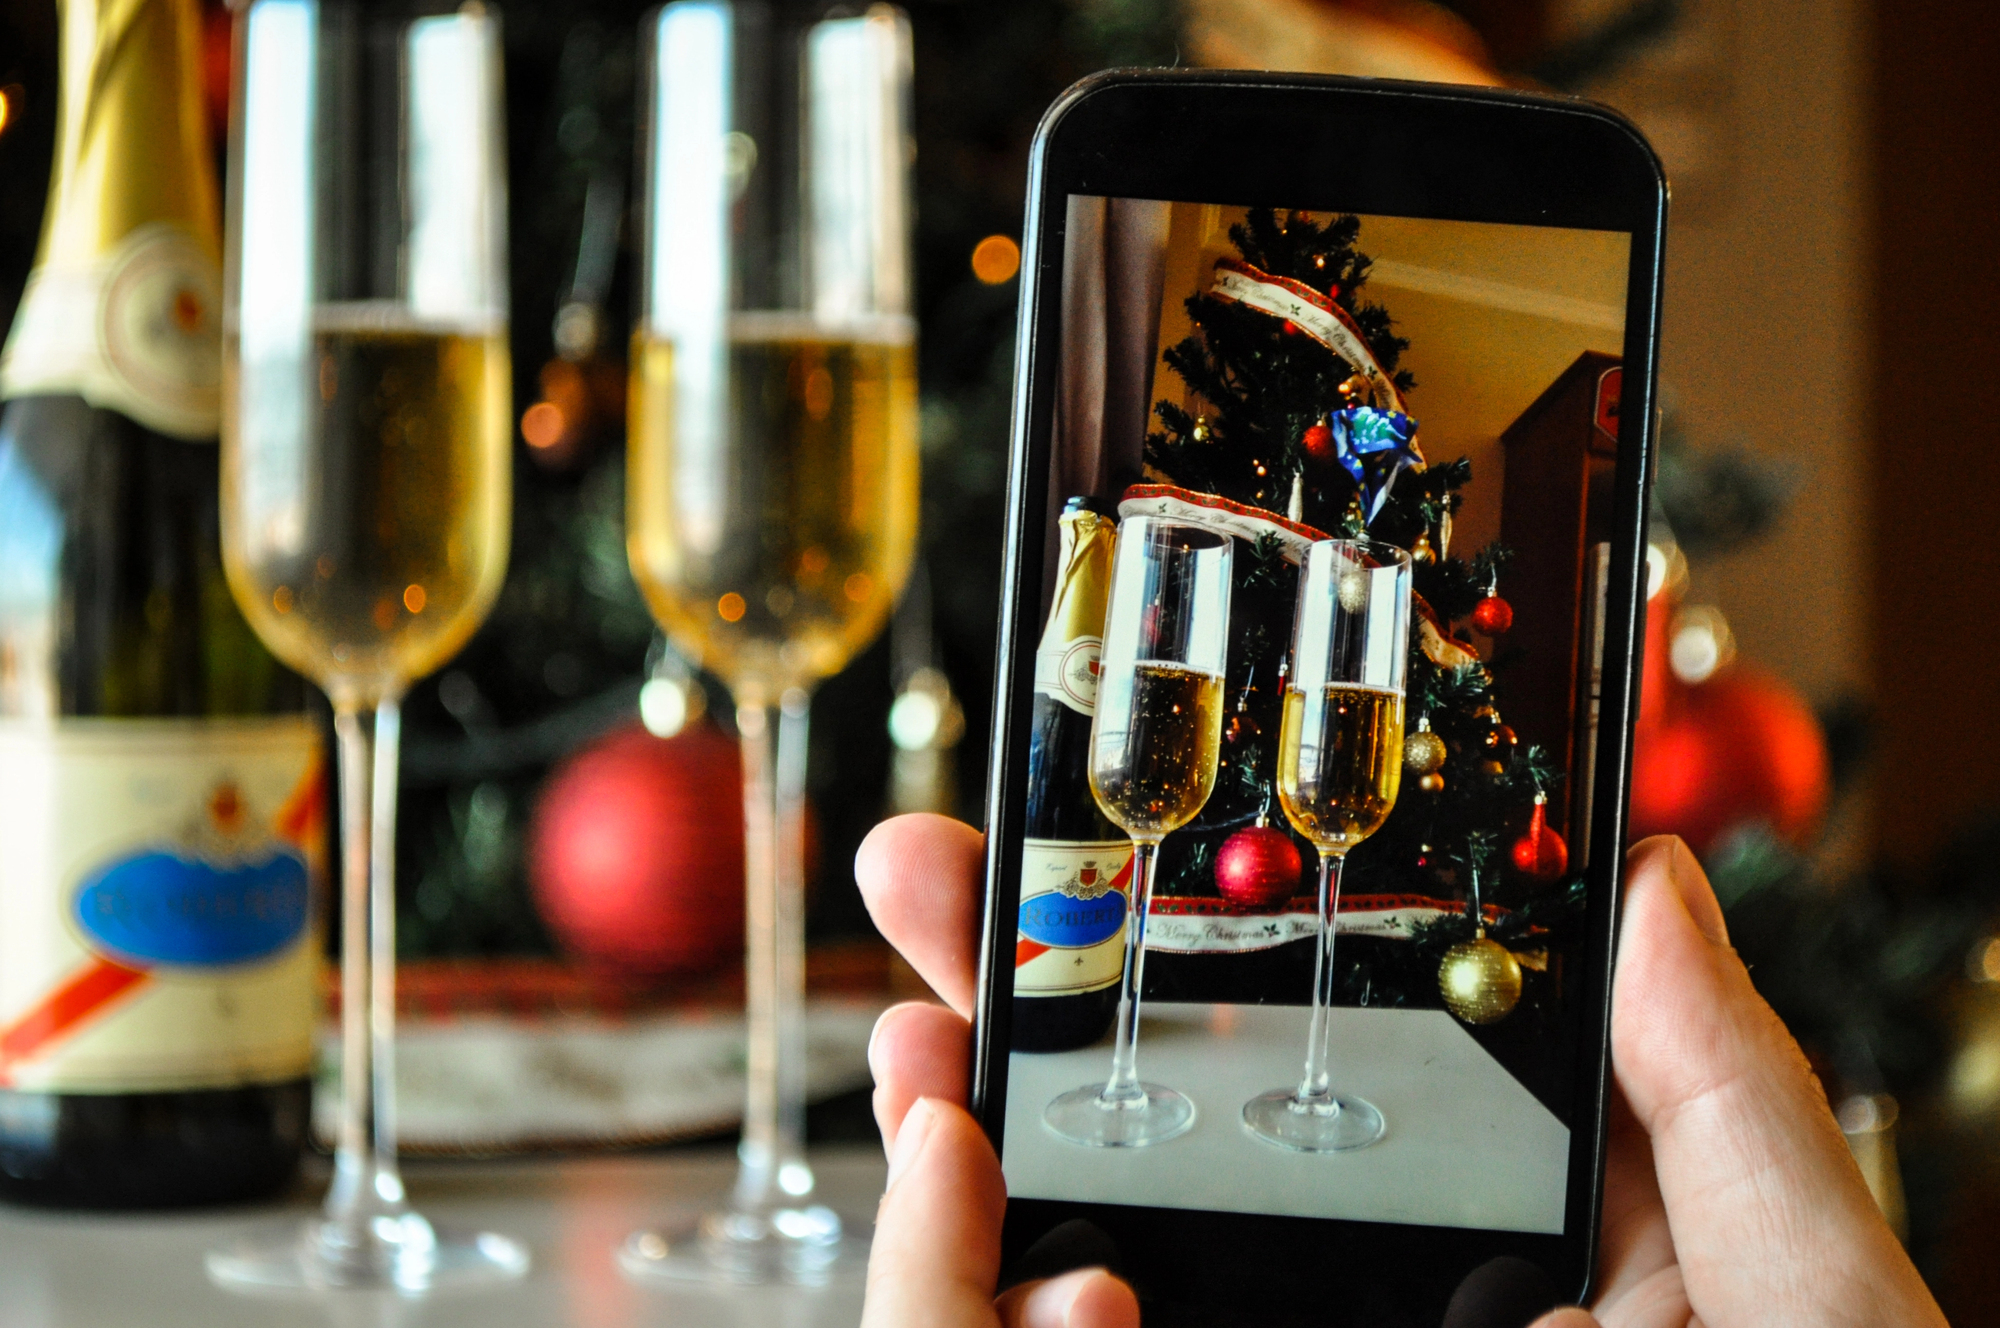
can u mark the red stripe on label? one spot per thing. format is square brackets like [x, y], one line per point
[86, 993]
[299, 820]
[1024, 950]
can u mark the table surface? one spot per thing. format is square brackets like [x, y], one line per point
[1467, 1145]
[75, 1270]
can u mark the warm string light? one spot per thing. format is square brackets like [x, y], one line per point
[996, 259]
[543, 425]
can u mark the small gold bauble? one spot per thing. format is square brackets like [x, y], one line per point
[1200, 428]
[1500, 736]
[1492, 769]
[1480, 980]
[1421, 551]
[1423, 751]
[1432, 783]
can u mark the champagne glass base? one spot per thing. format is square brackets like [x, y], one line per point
[1085, 1116]
[1335, 1125]
[800, 1247]
[403, 1254]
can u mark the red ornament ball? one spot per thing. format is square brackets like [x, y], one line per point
[1540, 853]
[1740, 748]
[635, 855]
[1318, 441]
[1257, 867]
[1493, 615]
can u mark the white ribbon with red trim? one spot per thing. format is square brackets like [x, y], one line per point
[1185, 924]
[1312, 313]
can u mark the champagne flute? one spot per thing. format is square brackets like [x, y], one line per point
[772, 485]
[365, 487]
[1340, 764]
[1153, 750]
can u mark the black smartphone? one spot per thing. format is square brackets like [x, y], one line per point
[1332, 442]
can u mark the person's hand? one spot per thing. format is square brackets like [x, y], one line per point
[936, 1255]
[1730, 1197]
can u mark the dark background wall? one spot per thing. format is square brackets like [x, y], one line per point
[1934, 389]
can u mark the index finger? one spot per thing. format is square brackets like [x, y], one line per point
[921, 877]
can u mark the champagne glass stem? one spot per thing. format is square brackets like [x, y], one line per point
[1123, 1086]
[1314, 1088]
[774, 1171]
[382, 944]
[366, 1184]
[794, 1176]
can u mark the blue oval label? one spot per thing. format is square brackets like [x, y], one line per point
[1061, 921]
[161, 908]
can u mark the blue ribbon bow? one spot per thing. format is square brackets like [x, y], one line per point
[1374, 446]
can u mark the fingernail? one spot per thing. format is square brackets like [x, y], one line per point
[1697, 896]
[1569, 1317]
[873, 1034]
[1051, 1304]
[916, 1128]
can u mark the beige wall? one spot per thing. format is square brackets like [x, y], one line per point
[1765, 336]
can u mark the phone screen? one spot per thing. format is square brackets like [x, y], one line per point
[1328, 538]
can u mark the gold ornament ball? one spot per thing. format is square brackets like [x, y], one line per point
[1491, 768]
[1432, 783]
[1423, 751]
[1200, 429]
[1421, 551]
[1480, 980]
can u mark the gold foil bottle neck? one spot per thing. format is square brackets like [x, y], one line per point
[132, 147]
[124, 306]
[1083, 580]
[1067, 660]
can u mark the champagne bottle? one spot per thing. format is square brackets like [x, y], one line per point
[161, 789]
[1076, 867]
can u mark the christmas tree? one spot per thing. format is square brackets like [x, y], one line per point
[1280, 417]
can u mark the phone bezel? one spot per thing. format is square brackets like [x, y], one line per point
[1323, 143]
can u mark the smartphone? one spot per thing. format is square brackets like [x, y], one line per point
[1331, 449]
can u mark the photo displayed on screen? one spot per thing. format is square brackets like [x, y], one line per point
[1327, 540]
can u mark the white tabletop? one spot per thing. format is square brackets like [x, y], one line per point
[1467, 1145]
[77, 1270]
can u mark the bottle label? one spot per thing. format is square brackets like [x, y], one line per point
[156, 906]
[1071, 934]
[138, 331]
[1070, 674]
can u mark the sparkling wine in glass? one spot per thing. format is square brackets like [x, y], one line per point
[772, 486]
[365, 489]
[1153, 751]
[1340, 764]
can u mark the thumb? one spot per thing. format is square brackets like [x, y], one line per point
[1770, 1218]
[936, 1253]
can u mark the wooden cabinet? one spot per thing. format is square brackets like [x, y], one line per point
[1555, 514]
